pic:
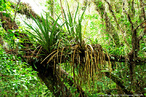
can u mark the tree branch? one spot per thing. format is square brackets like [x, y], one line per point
[129, 18]
[110, 8]
[118, 81]
[26, 9]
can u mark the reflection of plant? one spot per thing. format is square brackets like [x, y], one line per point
[74, 27]
[46, 33]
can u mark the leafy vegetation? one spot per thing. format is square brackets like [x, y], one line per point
[98, 52]
[74, 27]
[18, 79]
[46, 34]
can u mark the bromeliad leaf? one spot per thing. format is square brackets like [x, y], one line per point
[45, 32]
[74, 26]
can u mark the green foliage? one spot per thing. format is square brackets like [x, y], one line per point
[2, 5]
[56, 6]
[6, 6]
[74, 27]
[10, 39]
[46, 33]
[18, 79]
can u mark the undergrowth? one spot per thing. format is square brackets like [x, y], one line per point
[17, 79]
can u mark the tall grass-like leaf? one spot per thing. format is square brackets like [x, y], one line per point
[76, 13]
[57, 23]
[70, 21]
[45, 33]
[66, 22]
[80, 26]
[74, 27]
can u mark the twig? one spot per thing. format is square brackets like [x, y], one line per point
[129, 18]
[16, 9]
[142, 9]
[139, 25]
[110, 8]
[141, 36]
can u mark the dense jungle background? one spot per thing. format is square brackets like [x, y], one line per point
[72, 48]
